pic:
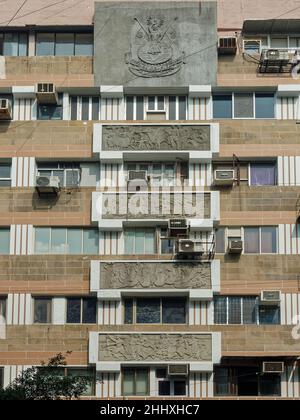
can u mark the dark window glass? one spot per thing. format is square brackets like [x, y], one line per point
[85, 108]
[128, 311]
[270, 386]
[265, 105]
[220, 240]
[13, 44]
[148, 311]
[263, 173]
[74, 108]
[222, 106]
[2, 307]
[167, 246]
[173, 311]
[50, 112]
[160, 103]
[42, 311]
[220, 306]
[234, 310]
[249, 310]
[64, 44]
[73, 310]
[95, 109]
[84, 44]
[89, 311]
[172, 107]
[139, 107]
[269, 315]
[221, 378]
[151, 103]
[45, 44]
[129, 108]
[179, 388]
[269, 240]
[251, 240]
[164, 388]
[182, 107]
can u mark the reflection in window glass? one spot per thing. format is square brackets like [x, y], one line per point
[148, 311]
[64, 44]
[45, 44]
[73, 311]
[222, 106]
[173, 311]
[42, 310]
[251, 240]
[269, 240]
[84, 44]
[269, 315]
[265, 105]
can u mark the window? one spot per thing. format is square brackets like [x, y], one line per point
[162, 174]
[13, 44]
[2, 307]
[140, 241]
[51, 112]
[64, 44]
[4, 241]
[66, 241]
[81, 310]
[155, 311]
[5, 174]
[69, 173]
[220, 240]
[165, 107]
[244, 310]
[263, 173]
[166, 243]
[42, 311]
[170, 386]
[135, 382]
[260, 240]
[177, 107]
[156, 103]
[85, 108]
[244, 105]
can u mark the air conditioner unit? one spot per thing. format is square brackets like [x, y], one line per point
[5, 109]
[189, 246]
[137, 176]
[47, 184]
[270, 297]
[276, 55]
[235, 246]
[224, 177]
[46, 93]
[227, 46]
[178, 370]
[273, 367]
[178, 227]
[252, 46]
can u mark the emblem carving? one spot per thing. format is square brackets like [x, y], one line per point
[154, 347]
[154, 51]
[122, 275]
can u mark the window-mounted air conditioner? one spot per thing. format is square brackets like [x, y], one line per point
[5, 109]
[47, 184]
[235, 246]
[190, 247]
[178, 370]
[276, 55]
[46, 93]
[227, 46]
[178, 227]
[270, 297]
[137, 176]
[273, 367]
[224, 177]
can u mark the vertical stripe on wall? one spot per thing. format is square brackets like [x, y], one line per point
[289, 239]
[200, 174]
[25, 109]
[108, 385]
[290, 382]
[200, 109]
[289, 171]
[109, 312]
[19, 309]
[23, 172]
[201, 385]
[290, 308]
[21, 240]
[287, 108]
[111, 175]
[200, 313]
[112, 109]
[111, 243]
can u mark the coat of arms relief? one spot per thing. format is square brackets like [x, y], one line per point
[154, 48]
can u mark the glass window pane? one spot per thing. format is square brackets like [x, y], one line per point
[4, 241]
[91, 241]
[148, 311]
[173, 311]
[5, 171]
[139, 107]
[142, 379]
[167, 246]
[270, 385]
[151, 103]
[265, 105]
[95, 109]
[269, 315]
[73, 108]
[61, 175]
[150, 242]
[251, 240]
[220, 308]
[5, 183]
[23, 43]
[64, 44]
[222, 381]
[182, 107]
[164, 388]
[45, 44]
[85, 108]
[84, 44]
[88, 374]
[179, 387]
[42, 311]
[128, 311]
[49, 112]
[11, 44]
[74, 241]
[269, 240]
[222, 106]
[234, 310]
[58, 241]
[128, 382]
[73, 311]
[129, 241]
[139, 242]
[72, 177]
[220, 240]
[250, 310]
[42, 240]
[129, 108]
[279, 42]
[243, 105]
[3, 307]
[160, 103]
[89, 311]
[263, 173]
[172, 107]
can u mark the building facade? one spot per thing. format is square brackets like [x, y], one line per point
[150, 196]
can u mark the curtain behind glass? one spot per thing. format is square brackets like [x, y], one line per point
[263, 174]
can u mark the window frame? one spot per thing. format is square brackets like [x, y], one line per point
[3, 34]
[260, 228]
[144, 230]
[3, 306]
[135, 370]
[6, 231]
[3, 164]
[75, 34]
[60, 167]
[43, 298]
[77, 100]
[82, 299]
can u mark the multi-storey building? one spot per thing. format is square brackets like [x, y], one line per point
[149, 195]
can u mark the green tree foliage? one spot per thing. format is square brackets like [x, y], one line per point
[47, 382]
